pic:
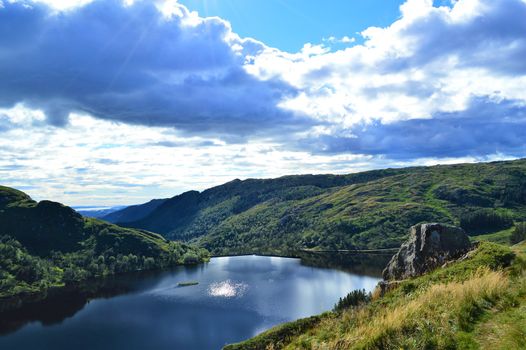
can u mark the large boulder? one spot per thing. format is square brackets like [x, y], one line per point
[428, 247]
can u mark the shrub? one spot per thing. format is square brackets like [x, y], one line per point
[190, 259]
[354, 298]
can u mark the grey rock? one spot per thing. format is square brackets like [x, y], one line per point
[429, 246]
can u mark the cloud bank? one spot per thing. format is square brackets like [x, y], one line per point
[441, 83]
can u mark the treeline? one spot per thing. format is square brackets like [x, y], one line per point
[485, 220]
[23, 273]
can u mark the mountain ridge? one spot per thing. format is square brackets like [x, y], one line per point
[134, 212]
[356, 211]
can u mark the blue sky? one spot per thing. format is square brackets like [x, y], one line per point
[289, 24]
[106, 102]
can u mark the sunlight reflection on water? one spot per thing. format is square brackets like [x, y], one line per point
[227, 289]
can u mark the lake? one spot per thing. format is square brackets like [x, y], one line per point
[236, 298]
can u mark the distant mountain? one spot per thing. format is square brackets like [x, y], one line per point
[363, 210]
[46, 244]
[192, 214]
[97, 212]
[133, 212]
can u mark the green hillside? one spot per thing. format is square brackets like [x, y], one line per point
[364, 210]
[46, 244]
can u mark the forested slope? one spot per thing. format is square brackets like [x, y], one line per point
[364, 210]
[46, 244]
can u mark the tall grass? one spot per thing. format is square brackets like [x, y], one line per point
[430, 319]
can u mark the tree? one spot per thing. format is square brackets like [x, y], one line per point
[354, 298]
[485, 220]
[190, 258]
[149, 263]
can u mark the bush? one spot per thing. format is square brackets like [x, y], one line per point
[190, 259]
[519, 233]
[354, 298]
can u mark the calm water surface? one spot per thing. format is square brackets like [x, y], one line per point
[236, 298]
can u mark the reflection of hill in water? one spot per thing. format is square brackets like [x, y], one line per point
[49, 312]
[369, 264]
[67, 302]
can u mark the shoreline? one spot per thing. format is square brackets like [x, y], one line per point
[364, 264]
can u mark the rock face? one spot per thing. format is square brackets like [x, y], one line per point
[429, 246]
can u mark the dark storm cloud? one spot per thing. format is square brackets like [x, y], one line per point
[134, 65]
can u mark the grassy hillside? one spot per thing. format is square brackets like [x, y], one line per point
[364, 210]
[46, 244]
[477, 303]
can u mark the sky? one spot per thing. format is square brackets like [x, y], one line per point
[110, 102]
[289, 24]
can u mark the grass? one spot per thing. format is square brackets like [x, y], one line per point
[505, 330]
[501, 237]
[428, 319]
[278, 336]
[476, 303]
[520, 248]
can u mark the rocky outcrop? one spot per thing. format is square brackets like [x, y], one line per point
[428, 247]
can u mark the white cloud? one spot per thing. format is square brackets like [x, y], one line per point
[344, 40]
[413, 9]
[63, 5]
[412, 69]
[98, 162]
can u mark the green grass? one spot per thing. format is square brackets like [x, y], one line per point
[501, 237]
[520, 248]
[278, 336]
[503, 330]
